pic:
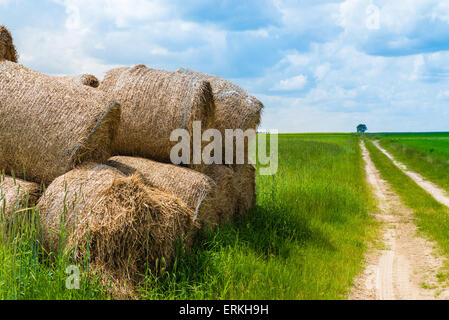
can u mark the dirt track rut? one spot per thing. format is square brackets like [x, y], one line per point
[402, 266]
[436, 192]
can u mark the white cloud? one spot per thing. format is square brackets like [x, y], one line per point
[327, 71]
[294, 83]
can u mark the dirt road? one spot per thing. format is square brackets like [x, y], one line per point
[403, 266]
[439, 194]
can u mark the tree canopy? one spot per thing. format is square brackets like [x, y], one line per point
[362, 128]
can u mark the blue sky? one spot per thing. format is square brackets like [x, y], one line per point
[318, 65]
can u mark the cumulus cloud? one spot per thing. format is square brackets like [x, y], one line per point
[323, 65]
[294, 83]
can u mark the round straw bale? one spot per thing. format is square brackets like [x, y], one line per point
[245, 185]
[207, 198]
[122, 224]
[7, 50]
[111, 78]
[48, 126]
[235, 108]
[155, 103]
[226, 198]
[84, 79]
[17, 194]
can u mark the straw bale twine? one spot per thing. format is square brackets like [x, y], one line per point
[154, 103]
[122, 224]
[48, 126]
[7, 50]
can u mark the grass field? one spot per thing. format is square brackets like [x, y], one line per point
[305, 239]
[426, 153]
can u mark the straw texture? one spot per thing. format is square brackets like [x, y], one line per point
[84, 79]
[15, 194]
[7, 50]
[210, 199]
[245, 184]
[123, 224]
[155, 103]
[235, 108]
[48, 126]
[227, 194]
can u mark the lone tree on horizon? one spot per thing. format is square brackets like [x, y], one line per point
[362, 128]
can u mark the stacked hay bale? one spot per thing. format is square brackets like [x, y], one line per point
[123, 224]
[48, 126]
[235, 109]
[127, 213]
[154, 104]
[211, 202]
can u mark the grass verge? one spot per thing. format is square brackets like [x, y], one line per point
[306, 238]
[425, 155]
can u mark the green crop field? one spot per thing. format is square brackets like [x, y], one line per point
[425, 153]
[305, 239]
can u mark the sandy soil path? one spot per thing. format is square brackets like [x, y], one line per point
[439, 194]
[403, 266]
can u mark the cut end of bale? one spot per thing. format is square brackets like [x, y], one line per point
[98, 143]
[120, 223]
[7, 49]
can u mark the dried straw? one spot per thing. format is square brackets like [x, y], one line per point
[154, 103]
[210, 199]
[122, 224]
[7, 49]
[17, 194]
[48, 126]
[84, 79]
[245, 184]
[235, 108]
[227, 194]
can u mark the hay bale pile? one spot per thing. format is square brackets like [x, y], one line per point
[103, 158]
[235, 109]
[155, 103]
[211, 201]
[48, 126]
[122, 223]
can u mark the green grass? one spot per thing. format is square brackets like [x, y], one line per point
[305, 239]
[426, 153]
[27, 272]
[432, 217]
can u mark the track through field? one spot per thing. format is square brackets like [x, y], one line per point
[403, 266]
